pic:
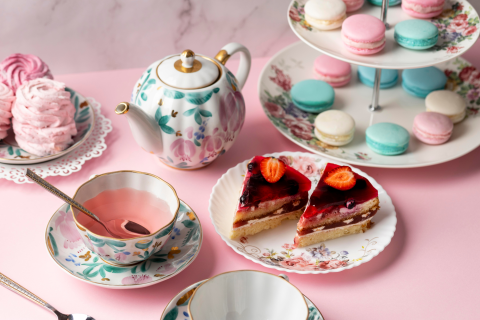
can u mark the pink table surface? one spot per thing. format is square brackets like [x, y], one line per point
[429, 270]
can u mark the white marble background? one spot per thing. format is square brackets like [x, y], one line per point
[89, 35]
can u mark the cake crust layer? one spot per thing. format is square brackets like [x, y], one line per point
[329, 234]
[268, 207]
[335, 216]
[268, 222]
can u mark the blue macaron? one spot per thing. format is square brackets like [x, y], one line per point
[387, 139]
[391, 3]
[313, 96]
[388, 79]
[416, 34]
[420, 82]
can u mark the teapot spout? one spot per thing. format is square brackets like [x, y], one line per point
[145, 130]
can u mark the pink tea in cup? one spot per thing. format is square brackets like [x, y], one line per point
[138, 206]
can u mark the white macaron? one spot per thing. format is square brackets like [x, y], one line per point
[448, 103]
[325, 14]
[334, 127]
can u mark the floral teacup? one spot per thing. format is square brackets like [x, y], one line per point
[247, 295]
[125, 252]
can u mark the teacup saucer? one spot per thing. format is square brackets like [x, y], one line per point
[68, 250]
[177, 308]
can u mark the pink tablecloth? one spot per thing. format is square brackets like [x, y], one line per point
[429, 271]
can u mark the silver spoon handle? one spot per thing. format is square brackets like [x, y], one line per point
[15, 287]
[37, 179]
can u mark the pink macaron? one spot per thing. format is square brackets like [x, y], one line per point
[353, 5]
[363, 34]
[335, 72]
[423, 9]
[432, 127]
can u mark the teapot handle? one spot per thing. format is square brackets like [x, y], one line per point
[245, 60]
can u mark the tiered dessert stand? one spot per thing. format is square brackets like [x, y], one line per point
[458, 30]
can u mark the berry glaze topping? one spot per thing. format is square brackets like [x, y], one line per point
[325, 198]
[257, 189]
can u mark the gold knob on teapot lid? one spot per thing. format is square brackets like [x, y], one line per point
[187, 62]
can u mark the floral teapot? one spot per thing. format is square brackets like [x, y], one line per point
[187, 109]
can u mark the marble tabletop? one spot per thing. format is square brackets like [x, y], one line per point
[429, 270]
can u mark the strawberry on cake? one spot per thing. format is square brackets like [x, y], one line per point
[271, 192]
[343, 203]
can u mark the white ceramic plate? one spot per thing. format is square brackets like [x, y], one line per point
[274, 248]
[295, 63]
[177, 308]
[11, 153]
[65, 246]
[458, 26]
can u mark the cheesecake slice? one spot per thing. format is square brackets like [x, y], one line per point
[271, 192]
[343, 203]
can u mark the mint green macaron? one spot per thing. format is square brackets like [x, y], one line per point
[387, 138]
[416, 34]
[313, 96]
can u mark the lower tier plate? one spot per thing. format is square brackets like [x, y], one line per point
[295, 63]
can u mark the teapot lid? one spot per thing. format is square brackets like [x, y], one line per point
[187, 71]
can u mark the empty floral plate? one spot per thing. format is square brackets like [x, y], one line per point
[11, 153]
[274, 248]
[177, 308]
[68, 250]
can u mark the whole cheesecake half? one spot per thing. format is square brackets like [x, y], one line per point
[271, 192]
[343, 203]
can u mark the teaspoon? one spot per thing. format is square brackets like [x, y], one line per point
[132, 228]
[15, 287]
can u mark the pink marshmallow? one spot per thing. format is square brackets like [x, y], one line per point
[43, 117]
[18, 68]
[6, 101]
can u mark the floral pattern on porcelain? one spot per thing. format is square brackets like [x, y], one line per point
[84, 121]
[308, 259]
[177, 309]
[297, 124]
[82, 262]
[464, 79]
[455, 25]
[197, 126]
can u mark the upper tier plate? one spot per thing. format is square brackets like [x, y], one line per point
[458, 25]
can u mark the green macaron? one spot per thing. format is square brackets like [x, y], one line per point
[313, 96]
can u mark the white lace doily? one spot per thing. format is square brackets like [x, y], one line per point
[93, 147]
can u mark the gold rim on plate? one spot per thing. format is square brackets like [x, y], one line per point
[200, 241]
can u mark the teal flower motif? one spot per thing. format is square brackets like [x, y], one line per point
[162, 122]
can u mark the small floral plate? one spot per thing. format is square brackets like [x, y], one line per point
[68, 250]
[458, 27]
[274, 248]
[295, 63]
[177, 308]
[11, 153]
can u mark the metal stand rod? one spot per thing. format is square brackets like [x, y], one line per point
[376, 91]
[378, 72]
[383, 16]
